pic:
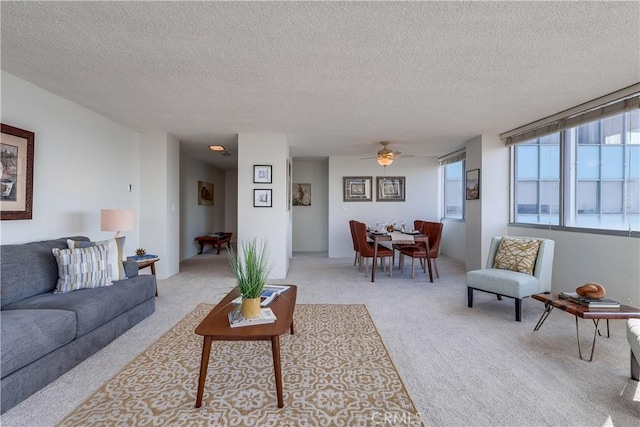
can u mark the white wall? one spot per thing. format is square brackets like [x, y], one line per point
[310, 223]
[612, 261]
[160, 200]
[271, 224]
[421, 199]
[83, 162]
[453, 244]
[197, 220]
[231, 203]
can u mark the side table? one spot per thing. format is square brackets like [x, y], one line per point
[144, 263]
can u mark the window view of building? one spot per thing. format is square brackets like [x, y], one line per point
[599, 176]
[453, 190]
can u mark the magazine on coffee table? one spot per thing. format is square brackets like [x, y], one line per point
[589, 302]
[269, 293]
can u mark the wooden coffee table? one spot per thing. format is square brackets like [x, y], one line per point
[215, 327]
[552, 301]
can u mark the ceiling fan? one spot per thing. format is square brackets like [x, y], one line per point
[385, 156]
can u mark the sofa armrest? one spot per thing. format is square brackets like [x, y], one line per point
[130, 268]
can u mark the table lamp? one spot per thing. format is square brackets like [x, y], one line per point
[117, 220]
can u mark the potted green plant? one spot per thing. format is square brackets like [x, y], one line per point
[251, 268]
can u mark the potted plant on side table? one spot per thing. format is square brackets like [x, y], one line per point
[250, 265]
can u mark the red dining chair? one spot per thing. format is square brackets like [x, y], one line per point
[365, 248]
[355, 242]
[419, 250]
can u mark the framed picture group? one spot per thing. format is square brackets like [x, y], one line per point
[360, 188]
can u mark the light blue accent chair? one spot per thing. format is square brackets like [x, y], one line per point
[513, 284]
[633, 336]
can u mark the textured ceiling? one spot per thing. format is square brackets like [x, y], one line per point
[336, 77]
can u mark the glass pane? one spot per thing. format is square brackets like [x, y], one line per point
[612, 129]
[553, 139]
[611, 197]
[588, 162]
[587, 197]
[612, 162]
[589, 133]
[527, 167]
[633, 198]
[550, 162]
[633, 161]
[550, 197]
[527, 197]
[634, 127]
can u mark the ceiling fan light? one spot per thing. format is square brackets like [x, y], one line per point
[384, 160]
[216, 147]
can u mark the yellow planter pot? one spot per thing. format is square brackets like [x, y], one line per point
[250, 307]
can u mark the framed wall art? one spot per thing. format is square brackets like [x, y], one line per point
[262, 198]
[16, 173]
[301, 195]
[205, 193]
[390, 188]
[472, 185]
[356, 188]
[262, 174]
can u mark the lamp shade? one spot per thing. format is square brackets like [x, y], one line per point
[117, 220]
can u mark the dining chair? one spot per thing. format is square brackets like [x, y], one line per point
[434, 231]
[365, 248]
[356, 258]
[417, 225]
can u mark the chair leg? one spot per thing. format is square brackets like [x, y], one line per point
[499, 297]
[635, 367]
[401, 263]
[355, 259]
[469, 297]
[435, 264]
[413, 269]
[518, 309]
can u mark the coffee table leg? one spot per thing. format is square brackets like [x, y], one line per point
[593, 345]
[275, 347]
[204, 363]
[545, 314]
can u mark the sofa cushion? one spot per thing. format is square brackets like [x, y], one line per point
[517, 254]
[27, 335]
[29, 269]
[94, 307]
[115, 255]
[633, 337]
[82, 268]
[503, 282]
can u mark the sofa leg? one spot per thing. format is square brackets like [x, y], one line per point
[518, 309]
[635, 367]
[469, 297]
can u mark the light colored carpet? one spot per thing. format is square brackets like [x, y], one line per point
[461, 366]
[336, 371]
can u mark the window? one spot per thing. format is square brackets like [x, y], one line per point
[597, 167]
[453, 180]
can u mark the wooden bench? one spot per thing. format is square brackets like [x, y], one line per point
[214, 239]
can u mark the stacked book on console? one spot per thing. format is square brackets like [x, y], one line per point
[589, 302]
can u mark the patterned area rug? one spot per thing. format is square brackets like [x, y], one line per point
[335, 369]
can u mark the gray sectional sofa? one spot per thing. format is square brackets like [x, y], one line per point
[44, 335]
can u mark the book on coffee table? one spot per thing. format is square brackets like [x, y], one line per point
[237, 320]
[589, 302]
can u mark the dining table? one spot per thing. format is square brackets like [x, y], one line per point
[397, 237]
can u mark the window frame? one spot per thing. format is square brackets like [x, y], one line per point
[443, 213]
[568, 143]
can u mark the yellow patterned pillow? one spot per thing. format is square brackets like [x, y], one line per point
[517, 254]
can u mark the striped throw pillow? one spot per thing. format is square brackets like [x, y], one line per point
[82, 268]
[115, 247]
